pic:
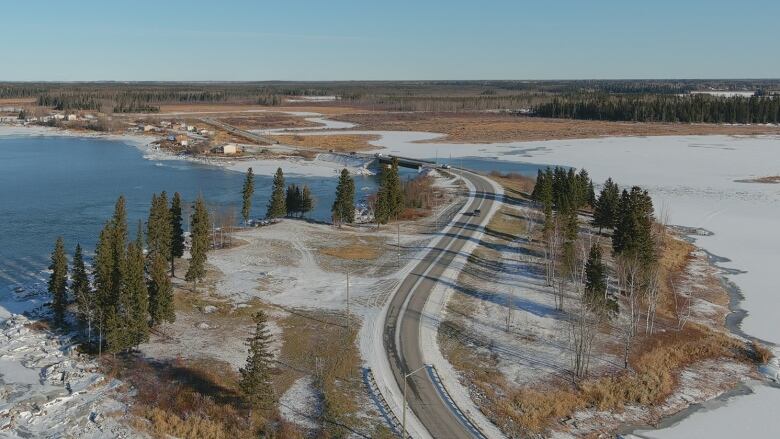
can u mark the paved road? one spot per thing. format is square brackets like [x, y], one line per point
[402, 325]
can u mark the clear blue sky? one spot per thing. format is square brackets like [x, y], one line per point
[398, 39]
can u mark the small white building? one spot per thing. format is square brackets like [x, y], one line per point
[228, 148]
[59, 116]
[190, 128]
[148, 128]
[71, 117]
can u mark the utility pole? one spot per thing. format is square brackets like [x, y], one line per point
[398, 234]
[348, 319]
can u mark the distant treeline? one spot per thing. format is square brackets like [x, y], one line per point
[77, 101]
[388, 95]
[663, 108]
[445, 103]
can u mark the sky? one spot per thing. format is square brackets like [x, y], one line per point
[242, 40]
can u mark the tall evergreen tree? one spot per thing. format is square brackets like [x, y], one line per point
[605, 213]
[135, 296]
[389, 197]
[104, 290]
[634, 228]
[159, 227]
[292, 200]
[276, 205]
[199, 234]
[307, 200]
[160, 292]
[58, 282]
[246, 194]
[81, 290]
[255, 380]
[110, 270]
[596, 282]
[343, 209]
[298, 201]
[177, 231]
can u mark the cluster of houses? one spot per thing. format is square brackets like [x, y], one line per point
[52, 117]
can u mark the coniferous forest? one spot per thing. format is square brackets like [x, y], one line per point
[697, 108]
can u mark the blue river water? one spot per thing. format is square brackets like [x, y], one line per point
[54, 186]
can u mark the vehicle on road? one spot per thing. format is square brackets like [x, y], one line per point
[445, 166]
[477, 212]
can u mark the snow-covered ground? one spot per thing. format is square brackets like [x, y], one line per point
[694, 179]
[47, 389]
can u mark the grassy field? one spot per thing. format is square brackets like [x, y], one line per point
[489, 127]
[335, 142]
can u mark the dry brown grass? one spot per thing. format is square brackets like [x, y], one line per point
[335, 142]
[188, 399]
[774, 179]
[353, 251]
[656, 361]
[38, 325]
[243, 108]
[515, 185]
[320, 344]
[505, 225]
[761, 354]
[485, 127]
[257, 121]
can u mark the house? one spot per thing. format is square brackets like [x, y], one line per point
[228, 148]
[190, 128]
[182, 139]
[71, 117]
[165, 124]
[59, 116]
[148, 128]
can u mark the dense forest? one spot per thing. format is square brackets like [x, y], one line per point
[665, 100]
[663, 108]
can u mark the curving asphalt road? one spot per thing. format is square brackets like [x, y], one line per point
[402, 324]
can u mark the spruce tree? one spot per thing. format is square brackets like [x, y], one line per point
[389, 198]
[255, 382]
[606, 209]
[159, 227]
[276, 206]
[298, 199]
[246, 194]
[110, 271]
[596, 282]
[104, 290]
[633, 230]
[81, 290]
[199, 234]
[343, 209]
[160, 292]
[292, 199]
[177, 231]
[118, 243]
[307, 200]
[58, 282]
[135, 296]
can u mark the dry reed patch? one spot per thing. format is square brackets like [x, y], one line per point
[321, 345]
[358, 248]
[335, 142]
[515, 185]
[186, 399]
[760, 353]
[258, 121]
[505, 225]
[774, 179]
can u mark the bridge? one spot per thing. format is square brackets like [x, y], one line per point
[404, 162]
